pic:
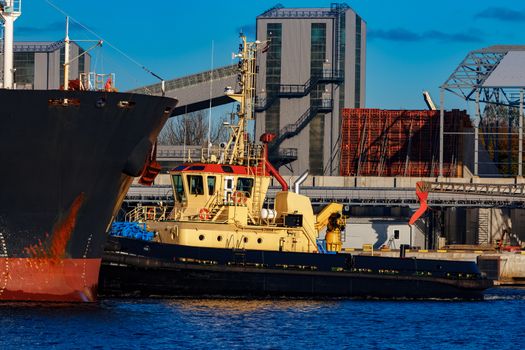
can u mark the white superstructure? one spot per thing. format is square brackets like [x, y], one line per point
[10, 10]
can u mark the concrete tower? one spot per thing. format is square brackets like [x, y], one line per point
[313, 67]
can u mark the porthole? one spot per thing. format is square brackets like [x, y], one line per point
[100, 103]
[201, 237]
[219, 238]
[259, 240]
[245, 239]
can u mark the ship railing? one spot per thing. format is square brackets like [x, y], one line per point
[252, 155]
[148, 212]
[214, 206]
[12, 6]
[189, 153]
[97, 81]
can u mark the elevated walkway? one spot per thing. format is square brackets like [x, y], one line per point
[193, 91]
[376, 191]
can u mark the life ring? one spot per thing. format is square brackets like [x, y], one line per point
[204, 214]
[239, 197]
[151, 214]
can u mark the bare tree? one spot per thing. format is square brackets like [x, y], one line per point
[192, 130]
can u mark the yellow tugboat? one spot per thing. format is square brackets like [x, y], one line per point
[220, 238]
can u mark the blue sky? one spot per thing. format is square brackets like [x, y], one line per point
[412, 45]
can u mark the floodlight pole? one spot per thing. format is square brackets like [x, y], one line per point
[520, 137]
[441, 128]
[476, 134]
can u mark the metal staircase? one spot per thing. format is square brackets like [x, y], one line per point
[283, 156]
[483, 226]
[292, 130]
[299, 90]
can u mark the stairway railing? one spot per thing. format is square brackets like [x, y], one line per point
[299, 90]
[292, 130]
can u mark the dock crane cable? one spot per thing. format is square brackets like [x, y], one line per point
[131, 59]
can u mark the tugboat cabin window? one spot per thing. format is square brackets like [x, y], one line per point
[245, 186]
[211, 185]
[178, 188]
[227, 168]
[228, 184]
[196, 184]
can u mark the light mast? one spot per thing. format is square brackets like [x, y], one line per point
[10, 10]
[246, 96]
[66, 56]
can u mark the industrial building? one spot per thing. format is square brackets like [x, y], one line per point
[312, 68]
[40, 65]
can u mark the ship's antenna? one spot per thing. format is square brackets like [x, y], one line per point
[185, 130]
[211, 94]
[245, 96]
[10, 10]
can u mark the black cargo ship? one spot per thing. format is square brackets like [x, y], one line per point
[68, 158]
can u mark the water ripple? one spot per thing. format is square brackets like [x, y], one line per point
[267, 324]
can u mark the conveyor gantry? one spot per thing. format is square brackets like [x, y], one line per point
[472, 191]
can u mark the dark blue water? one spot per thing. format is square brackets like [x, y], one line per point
[495, 323]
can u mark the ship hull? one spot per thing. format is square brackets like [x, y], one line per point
[68, 158]
[135, 268]
[64, 280]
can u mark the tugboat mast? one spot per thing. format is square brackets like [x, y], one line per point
[245, 97]
[10, 10]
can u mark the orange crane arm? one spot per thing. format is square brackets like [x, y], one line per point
[422, 195]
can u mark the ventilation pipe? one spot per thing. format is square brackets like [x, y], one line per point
[266, 138]
[299, 181]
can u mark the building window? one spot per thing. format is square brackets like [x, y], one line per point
[342, 46]
[24, 63]
[273, 75]
[317, 59]
[81, 61]
[357, 103]
[396, 234]
[62, 60]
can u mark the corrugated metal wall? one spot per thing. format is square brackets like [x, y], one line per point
[400, 142]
